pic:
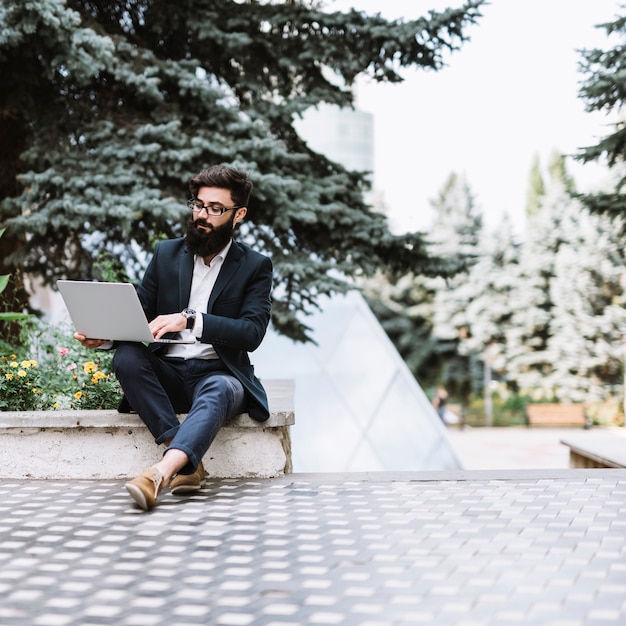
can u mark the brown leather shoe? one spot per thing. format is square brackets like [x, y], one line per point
[145, 489]
[187, 483]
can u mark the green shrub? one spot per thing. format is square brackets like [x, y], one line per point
[609, 412]
[507, 410]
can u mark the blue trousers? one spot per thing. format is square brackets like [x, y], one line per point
[158, 388]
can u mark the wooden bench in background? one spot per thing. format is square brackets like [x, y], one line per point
[556, 415]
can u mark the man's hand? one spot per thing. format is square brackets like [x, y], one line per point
[173, 323]
[89, 343]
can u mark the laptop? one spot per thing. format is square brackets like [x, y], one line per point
[108, 311]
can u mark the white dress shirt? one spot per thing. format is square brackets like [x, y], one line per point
[202, 283]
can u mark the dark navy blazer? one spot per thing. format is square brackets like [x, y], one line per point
[238, 311]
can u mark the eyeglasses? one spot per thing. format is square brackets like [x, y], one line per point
[215, 210]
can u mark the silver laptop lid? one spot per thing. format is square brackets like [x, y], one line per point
[108, 311]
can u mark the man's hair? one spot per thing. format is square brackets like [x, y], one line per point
[224, 177]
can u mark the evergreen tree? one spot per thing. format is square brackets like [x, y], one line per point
[528, 359]
[604, 89]
[457, 227]
[404, 306]
[565, 341]
[586, 344]
[558, 172]
[491, 285]
[408, 306]
[109, 107]
[536, 188]
[457, 223]
[548, 313]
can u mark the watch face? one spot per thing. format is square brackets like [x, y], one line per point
[190, 314]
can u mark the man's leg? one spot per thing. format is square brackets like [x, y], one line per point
[154, 388]
[216, 397]
[179, 461]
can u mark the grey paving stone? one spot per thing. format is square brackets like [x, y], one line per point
[476, 548]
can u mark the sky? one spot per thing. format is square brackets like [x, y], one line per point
[507, 96]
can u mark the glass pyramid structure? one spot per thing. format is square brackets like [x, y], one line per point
[358, 407]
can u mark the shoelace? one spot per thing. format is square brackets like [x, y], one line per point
[157, 479]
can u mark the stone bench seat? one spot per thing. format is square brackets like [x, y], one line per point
[111, 445]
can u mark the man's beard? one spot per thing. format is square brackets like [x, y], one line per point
[207, 242]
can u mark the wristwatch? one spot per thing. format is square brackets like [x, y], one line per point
[190, 314]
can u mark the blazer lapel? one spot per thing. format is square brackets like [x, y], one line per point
[229, 268]
[185, 276]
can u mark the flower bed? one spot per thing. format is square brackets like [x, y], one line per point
[55, 372]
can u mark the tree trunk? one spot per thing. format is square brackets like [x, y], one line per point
[15, 296]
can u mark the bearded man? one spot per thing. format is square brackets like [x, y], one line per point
[208, 287]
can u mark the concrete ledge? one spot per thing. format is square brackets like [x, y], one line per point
[111, 445]
[600, 449]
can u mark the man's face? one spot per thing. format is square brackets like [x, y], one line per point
[208, 234]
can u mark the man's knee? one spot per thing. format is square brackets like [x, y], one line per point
[127, 355]
[215, 385]
[225, 390]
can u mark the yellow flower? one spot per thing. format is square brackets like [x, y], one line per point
[89, 367]
[29, 363]
[21, 373]
[14, 364]
[9, 376]
[13, 357]
[56, 405]
[78, 395]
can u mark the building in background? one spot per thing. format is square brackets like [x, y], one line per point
[343, 135]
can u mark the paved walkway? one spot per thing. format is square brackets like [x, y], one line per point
[514, 448]
[526, 547]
